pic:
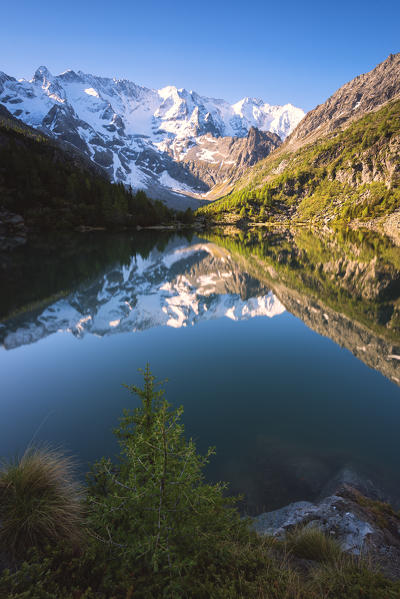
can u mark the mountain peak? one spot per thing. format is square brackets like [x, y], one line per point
[141, 136]
[42, 73]
[70, 75]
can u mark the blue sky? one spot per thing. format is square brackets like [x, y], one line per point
[287, 51]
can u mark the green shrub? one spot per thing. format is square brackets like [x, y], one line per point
[148, 509]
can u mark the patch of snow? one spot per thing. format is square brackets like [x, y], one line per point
[91, 92]
[166, 180]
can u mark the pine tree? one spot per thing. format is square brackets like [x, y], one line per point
[151, 507]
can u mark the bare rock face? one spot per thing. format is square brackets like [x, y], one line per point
[215, 160]
[353, 100]
[380, 163]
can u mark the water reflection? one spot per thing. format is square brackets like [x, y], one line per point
[286, 408]
[344, 285]
[175, 286]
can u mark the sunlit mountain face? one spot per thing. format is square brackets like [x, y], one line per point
[178, 287]
[171, 142]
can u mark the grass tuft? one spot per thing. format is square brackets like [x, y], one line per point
[39, 502]
[350, 577]
[313, 544]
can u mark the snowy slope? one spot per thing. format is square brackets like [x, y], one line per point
[140, 136]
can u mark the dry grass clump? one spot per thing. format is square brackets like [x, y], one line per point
[350, 577]
[313, 544]
[40, 502]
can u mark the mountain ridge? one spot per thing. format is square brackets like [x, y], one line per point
[47, 183]
[139, 136]
[362, 94]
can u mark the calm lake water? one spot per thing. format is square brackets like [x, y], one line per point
[283, 349]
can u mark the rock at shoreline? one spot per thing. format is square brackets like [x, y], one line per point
[361, 524]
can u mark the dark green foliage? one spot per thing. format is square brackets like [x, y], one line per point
[57, 189]
[149, 508]
[186, 217]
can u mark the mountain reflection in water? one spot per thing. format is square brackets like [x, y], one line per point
[177, 287]
[344, 286]
[285, 407]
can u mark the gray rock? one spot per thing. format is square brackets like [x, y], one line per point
[330, 515]
[361, 525]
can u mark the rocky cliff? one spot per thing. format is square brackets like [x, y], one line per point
[363, 94]
[221, 161]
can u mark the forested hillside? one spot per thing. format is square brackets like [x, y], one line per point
[345, 176]
[55, 187]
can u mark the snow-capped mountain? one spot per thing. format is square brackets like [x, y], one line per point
[178, 287]
[139, 136]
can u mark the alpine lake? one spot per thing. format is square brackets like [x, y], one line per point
[283, 346]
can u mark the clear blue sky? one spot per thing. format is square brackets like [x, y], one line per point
[288, 51]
